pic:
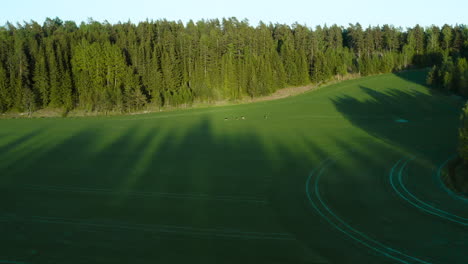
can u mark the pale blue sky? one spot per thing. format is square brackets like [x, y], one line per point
[374, 12]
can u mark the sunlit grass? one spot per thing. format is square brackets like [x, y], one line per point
[206, 174]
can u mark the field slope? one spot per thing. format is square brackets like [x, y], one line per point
[344, 174]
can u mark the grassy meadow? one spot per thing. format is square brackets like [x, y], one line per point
[239, 184]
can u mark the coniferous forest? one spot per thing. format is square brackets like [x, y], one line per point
[126, 67]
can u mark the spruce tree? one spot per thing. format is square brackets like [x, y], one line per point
[6, 100]
[41, 80]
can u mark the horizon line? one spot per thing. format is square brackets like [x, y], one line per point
[185, 22]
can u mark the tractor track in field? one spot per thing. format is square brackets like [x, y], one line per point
[186, 231]
[397, 182]
[442, 185]
[315, 199]
[169, 195]
[326, 213]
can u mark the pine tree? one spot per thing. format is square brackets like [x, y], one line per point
[55, 76]
[41, 80]
[81, 64]
[28, 101]
[355, 38]
[409, 48]
[152, 79]
[461, 76]
[446, 37]
[463, 136]
[229, 73]
[6, 100]
[433, 36]
[20, 72]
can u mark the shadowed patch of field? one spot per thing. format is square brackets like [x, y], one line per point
[208, 186]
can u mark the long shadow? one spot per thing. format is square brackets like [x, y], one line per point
[18, 141]
[410, 119]
[209, 192]
[152, 193]
[200, 190]
[419, 121]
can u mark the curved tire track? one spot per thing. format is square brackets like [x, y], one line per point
[396, 181]
[312, 189]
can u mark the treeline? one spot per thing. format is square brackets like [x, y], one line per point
[458, 167]
[463, 136]
[125, 67]
[451, 75]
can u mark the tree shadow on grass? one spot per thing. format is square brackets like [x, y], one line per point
[208, 192]
[410, 119]
[422, 123]
[12, 145]
[417, 122]
[150, 193]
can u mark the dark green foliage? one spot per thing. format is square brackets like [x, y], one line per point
[451, 75]
[29, 100]
[6, 100]
[463, 138]
[126, 67]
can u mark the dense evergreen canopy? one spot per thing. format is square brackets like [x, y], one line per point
[125, 67]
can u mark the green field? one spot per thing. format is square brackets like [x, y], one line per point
[344, 174]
